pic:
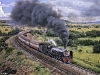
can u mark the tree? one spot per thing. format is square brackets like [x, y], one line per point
[59, 42]
[0, 33]
[96, 48]
[73, 36]
[19, 53]
[80, 50]
[14, 32]
[86, 42]
[9, 50]
[93, 33]
[50, 33]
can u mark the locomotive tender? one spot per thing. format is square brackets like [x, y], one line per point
[47, 49]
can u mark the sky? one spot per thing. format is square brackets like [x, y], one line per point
[73, 10]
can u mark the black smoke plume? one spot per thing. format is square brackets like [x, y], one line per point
[35, 13]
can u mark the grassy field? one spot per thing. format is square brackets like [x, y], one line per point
[86, 54]
[5, 29]
[0, 37]
[18, 61]
[85, 49]
[88, 38]
[83, 29]
[86, 58]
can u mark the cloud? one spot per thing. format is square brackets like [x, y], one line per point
[2, 14]
[8, 5]
[70, 5]
[84, 9]
[93, 10]
[1, 11]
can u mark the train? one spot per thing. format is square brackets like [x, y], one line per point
[48, 49]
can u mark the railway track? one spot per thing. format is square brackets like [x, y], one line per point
[53, 70]
[66, 69]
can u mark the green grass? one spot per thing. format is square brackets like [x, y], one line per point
[86, 58]
[85, 65]
[84, 29]
[87, 52]
[5, 29]
[21, 61]
[88, 38]
[0, 37]
[86, 49]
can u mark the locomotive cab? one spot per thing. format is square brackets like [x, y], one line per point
[45, 48]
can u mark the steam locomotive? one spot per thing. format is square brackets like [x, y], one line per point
[47, 49]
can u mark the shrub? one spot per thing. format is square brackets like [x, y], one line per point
[59, 42]
[96, 48]
[14, 32]
[93, 33]
[79, 50]
[86, 42]
[98, 65]
[50, 33]
[19, 53]
[9, 50]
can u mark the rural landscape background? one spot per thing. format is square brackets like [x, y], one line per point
[82, 18]
[84, 41]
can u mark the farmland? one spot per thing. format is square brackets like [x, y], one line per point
[5, 28]
[84, 29]
[83, 53]
[18, 61]
[88, 38]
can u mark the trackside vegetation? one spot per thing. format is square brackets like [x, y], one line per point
[17, 61]
[84, 41]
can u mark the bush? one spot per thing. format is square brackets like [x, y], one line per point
[19, 53]
[41, 70]
[93, 33]
[98, 65]
[86, 42]
[9, 50]
[14, 32]
[0, 33]
[50, 33]
[96, 48]
[73, 36]
[59, 42]
[76, 35]
[4, 38]
[72, 43]
[33, 32]
[79, 50]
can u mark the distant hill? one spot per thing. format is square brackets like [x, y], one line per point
[96, 22]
